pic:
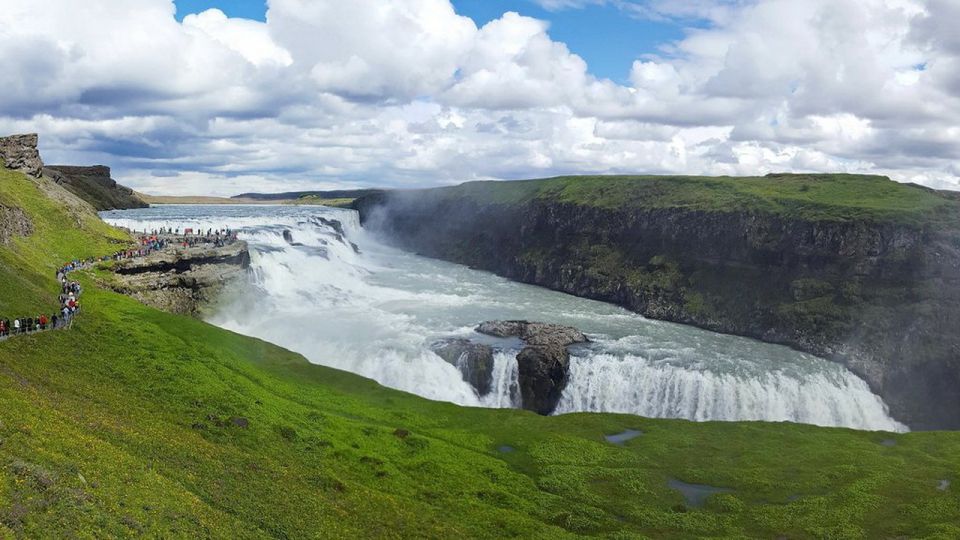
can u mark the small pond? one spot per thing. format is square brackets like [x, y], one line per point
[621, 438]
[696, 494]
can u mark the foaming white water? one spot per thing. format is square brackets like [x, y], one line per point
[375, 311]
[631, 384]
[505, 391]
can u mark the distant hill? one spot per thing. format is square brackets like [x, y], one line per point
[293, 195]
[94, 185]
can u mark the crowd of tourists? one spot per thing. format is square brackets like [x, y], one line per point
[69, 301]
[148, 245]
[69, 297]
[190, 237]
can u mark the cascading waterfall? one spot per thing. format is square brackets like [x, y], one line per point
[375, 312]
[505, 390]
[632, 384]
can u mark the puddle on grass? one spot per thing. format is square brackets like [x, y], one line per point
[696, 494]
[943, 485]
[621, 438]
[505, 449]
[888, 442]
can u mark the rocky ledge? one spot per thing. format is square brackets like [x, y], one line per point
[19, 152]
[543, 362]
[182, 280]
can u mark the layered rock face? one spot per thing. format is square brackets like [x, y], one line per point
[474, 360]
[19, 152]
[182, 280]
[94, 185]
[882, 298]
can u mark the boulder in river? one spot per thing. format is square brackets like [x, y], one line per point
[288, 238]
[534, 333]
[544, 364]
[543, 371]
[474, 360]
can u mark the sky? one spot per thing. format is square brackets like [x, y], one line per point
[608, 38]
[229, 96]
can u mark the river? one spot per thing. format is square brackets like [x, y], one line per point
[375, 310]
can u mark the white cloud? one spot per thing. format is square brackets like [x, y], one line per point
[410, 93]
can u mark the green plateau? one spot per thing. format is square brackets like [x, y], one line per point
[140, 423]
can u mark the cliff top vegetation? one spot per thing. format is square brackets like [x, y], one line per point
[798, 196]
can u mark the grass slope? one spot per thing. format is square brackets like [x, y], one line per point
[137, 422]
[804, 196]
[28, 267]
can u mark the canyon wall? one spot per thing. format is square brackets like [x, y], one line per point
[881, 296]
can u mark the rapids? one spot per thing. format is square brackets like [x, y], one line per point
[374, 311]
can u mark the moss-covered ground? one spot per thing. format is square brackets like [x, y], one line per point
[141, 423]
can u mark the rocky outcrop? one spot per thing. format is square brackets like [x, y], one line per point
[534, 333]
[881, 297]
[19, 152]
[543, 374]
[474, 360]
[14, 222]
[544, 362]
[94, 185]
[182, 280]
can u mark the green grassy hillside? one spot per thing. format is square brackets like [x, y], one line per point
[136, 422]
[807, 196]
[64, 229]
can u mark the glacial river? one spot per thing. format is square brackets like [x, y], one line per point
[375, 312]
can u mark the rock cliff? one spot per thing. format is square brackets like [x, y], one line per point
[94, 185]
[875, 291]
[19, 152]
[182, 280]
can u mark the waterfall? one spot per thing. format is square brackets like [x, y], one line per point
[631, 384]
[321, 286]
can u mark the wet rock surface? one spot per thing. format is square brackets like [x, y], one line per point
[182, 280]
[534, 333]
[544, 362]
[474, 360]
[544, 372]
[19, 152]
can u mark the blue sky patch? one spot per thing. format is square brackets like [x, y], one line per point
[603, 35]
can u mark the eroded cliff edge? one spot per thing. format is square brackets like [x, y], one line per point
[182, 280]
[860, 270]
